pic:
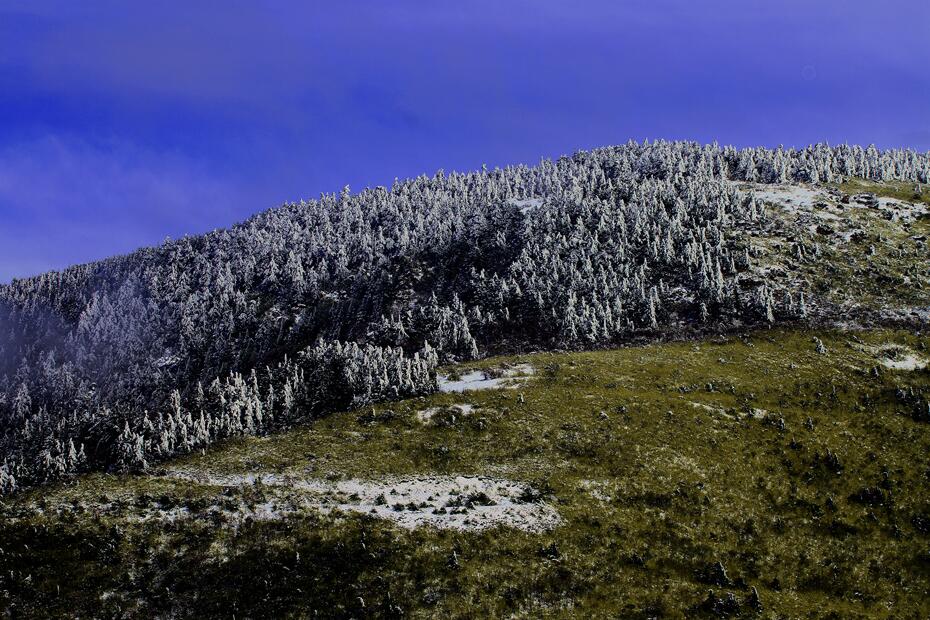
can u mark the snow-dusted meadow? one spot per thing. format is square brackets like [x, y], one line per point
[444, 502]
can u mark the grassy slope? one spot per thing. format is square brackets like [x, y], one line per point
[847, 273]
[899, 261]
[652, 489]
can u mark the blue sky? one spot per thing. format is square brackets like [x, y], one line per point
[122, 123]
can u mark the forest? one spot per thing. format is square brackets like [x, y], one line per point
[353, 299]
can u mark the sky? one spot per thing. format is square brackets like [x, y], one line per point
[123, 123]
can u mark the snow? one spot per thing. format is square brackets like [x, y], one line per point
[444, 502]
[168, 359]
[716, 410]
[474, 380]
[907, 211]
[791, 197]
[908, 361]
[906, 313]
[525, 205]
[598, 489]
[479, 380]
[754, 413]
[461, 503]
[826, 215]
[800, 197]
[895, 356]
[427, 414]
[814, 206]
[519, 370]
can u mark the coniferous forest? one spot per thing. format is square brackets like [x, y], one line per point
[353, 299]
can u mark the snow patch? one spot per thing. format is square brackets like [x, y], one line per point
[716, 410]
[895, 356]
[597, 489]
[475, 380]
[525, 205]
[826, 215]
[427, 415]
[520, 370]
[444, 502]
[758, 414]
[900, 358]
[481, 380]
[790, 197]
[908, 362]
[166, 360]
[823, 203]
[907, 210]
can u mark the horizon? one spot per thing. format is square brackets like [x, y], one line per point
[126, 125]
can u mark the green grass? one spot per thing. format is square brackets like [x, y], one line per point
[661, 460]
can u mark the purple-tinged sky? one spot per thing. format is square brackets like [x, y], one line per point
[122, 123]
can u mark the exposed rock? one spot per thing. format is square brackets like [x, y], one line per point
[721, 607]
[715, 574]
[819, 346]
[869, 496]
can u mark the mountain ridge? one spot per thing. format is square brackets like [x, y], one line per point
[316, 306]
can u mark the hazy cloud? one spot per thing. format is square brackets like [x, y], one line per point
[48, 186]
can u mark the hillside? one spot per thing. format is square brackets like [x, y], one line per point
[355, 299]
[656, 380]
[777, 473]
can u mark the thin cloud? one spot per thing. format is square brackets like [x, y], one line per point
[137, 196]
